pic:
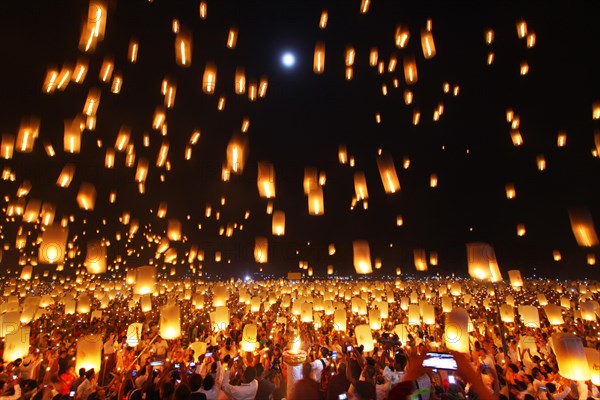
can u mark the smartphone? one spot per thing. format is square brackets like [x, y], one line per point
[72, 393]
[15, 377]
[208, 355]
[348, 349]
[157, 363]
[237, 358]
[542, 388]
[177, 365]
[133, 372]
[342, 396]
[438, 360]
[451, 379]
[334, 355]
[192, 364]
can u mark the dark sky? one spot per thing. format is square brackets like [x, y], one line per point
[302, 121]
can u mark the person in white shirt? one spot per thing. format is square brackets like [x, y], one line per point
[160, 348]
[16, 395]
[319, 365]
[246, 390]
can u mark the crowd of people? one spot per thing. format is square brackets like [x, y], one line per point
[209, 363]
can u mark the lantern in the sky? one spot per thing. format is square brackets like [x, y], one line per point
[515, 278]
[28, 132]
[420, 258]
[427, 44]
[86, 197]
[593, 358]
[570, 356]
[387, 171]
[364, 337]
[362, 257]
[237, 150]
[339, 320]
[220, 318]
[456, 330]
[134, 333]
[145, 278]
[249, 336]
[582, 225]
[95, 259]
[278, 223]
[89, 352]
[360, 186]
[266, 180]
[530, 316]
[52, 249]
[170, 322]
[410, 70]
[554, 314]
[261, 246]
[183, 48]
[16, 344]
[482, 262]
[319, 58]
[315, 201]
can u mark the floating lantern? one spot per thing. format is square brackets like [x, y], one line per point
[360, 186]
[456, 330]
[278, 227]
[446, 304]
[428, 314]
[170, 325]
[515, 278]
[427, 44]
[364, 337]
[319, 58]
[145, 280]
[593, 358]
[134, 333]
[89, 352]
[582, 225]
[554, 314]
[249, 336]
[315, 201]
[570, 356]
[86, 197]
[220, 318]
[183, 49]
[410, 70]
[95, 259]
[237, 150]
[261, 253]
[530, 316]
[401, 36]
[387, 171]
[362, 257]
[146, 302]
[16, 344]
[482, 262]
[420, 258]
[52, 248]
[266, 180]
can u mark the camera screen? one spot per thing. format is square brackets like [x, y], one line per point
[440, 361]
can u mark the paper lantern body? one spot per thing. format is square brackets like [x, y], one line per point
[364, 337]
[482, 262]
[593, 358]
[134, 333]
[570, 356]
[554, 314]
[530, 316]
[515, 278]
[428, 314]
[414, 314]
[375, 319]
[89, 352]
[456, 330]
[219, 318]
[52, 249]
[249, 335]
[145, 279]
[339, 318]
[170, 322]
[16, 344]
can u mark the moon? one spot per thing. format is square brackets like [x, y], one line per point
[288, 59]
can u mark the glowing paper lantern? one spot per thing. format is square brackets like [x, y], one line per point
[339, 320]
[89, 352]
[146, 302]
[319, 58]
[219, 318]
[446, 304]
[209, 79]
[145, 278]
[26, 272]
[315, 201]
[278, 227]
[134, 333]
[52, 249]
[95, 258]
[482, 262]
[554, 314]
[570, 356]
[588, 310]
[9, 323]
[414, 314]
[16, 344]
[374, 319]
[360, 186]
[456, 330]
[593, 358]
[86, 197]
[427, 44]
[261, 252]
[420, 258]
[266, 180]
[170, 324]
[83, 304]
[515, 278]
[249, 336]
[28, 132]
[530, 316]
[306, 312]
[410, 70]
[362, 257]
[387, 171]
[428, 314]
[582, 225]
[541, 298]
[237, 153]
[183, 49]
[174, 230]
[364, 337]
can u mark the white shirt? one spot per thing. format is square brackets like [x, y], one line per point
[317, 369]
[393, 377]
[245, 391]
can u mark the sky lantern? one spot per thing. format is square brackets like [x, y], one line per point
[387, 171]
[183, 48]
[323, 19]
[145, 280]
[232, 37]
[364, 8]
[374, 319]
[95, 259]
[428, 314]
[86, 197]
[401, 36]
[529, 316]
[107, 69]
[446, 303]
[593, 358]
[427, 44]
[582, 226]
[134, 333]
[89, 352]
[360, 186]
[52, 249]
[237, 150]
[364, 337]
[420, 259]
[315, 201]
[32, 211]
[7, 146]
[26, 272]
[174, 230]
[554, 314]
[362, 257]
[456, 330]
[209, 79]
[339, 320]
[588, 310]
[261, 252]
[570, 356]
[515, 278]
[16, 344]
[482, 262]
[170, 325]
[319, 58]
[278, 227]
[240, 80]
[310, 179]
[510, 191]
[249, 338]
[66, 176]
[28, 132]
[410, 70]
[220, 318]
[72, 135]
[266, 180]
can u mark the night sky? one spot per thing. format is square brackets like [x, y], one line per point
[303, 120]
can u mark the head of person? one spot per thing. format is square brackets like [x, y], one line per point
[208, 382]
[195, 381]
[306, 370]
[249, 374]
